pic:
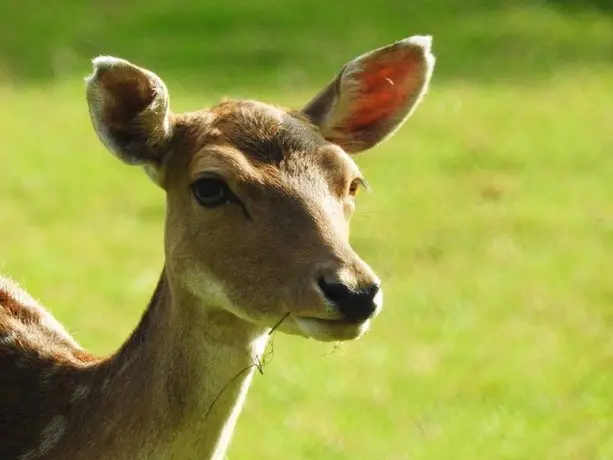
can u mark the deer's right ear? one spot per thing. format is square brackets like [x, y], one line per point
[128, 106]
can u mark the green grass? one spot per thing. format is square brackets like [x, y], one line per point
[491, 220]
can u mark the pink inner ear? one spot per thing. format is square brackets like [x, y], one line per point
[387, 87]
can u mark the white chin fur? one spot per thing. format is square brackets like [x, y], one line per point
[330, 331]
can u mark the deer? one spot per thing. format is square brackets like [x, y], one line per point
[256, 238]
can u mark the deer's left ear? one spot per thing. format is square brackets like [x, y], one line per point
[373, 94]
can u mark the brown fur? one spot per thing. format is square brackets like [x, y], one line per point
[34, 359]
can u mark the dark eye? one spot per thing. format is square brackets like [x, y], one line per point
[355, 186]
[211, 192]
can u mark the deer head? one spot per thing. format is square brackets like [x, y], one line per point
[259, 198]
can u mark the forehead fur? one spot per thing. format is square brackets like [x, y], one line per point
[280, 147]
[264, 133]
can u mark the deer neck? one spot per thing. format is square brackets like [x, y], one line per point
[182, 377]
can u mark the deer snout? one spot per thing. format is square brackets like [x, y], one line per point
[355, 304]
[349, 295]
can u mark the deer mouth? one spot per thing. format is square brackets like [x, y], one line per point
[331, 330]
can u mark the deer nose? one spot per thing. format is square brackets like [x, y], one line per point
[356, 305]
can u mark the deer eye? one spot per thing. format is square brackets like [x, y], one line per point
[355, 186]
[211, 192]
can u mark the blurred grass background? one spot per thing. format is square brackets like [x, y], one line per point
[491, 220]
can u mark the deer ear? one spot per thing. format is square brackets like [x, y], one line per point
[128, 106]
[373, 94]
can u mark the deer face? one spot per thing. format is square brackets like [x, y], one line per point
[259, 199]
[258, 220]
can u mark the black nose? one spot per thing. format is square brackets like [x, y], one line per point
[355, 305]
